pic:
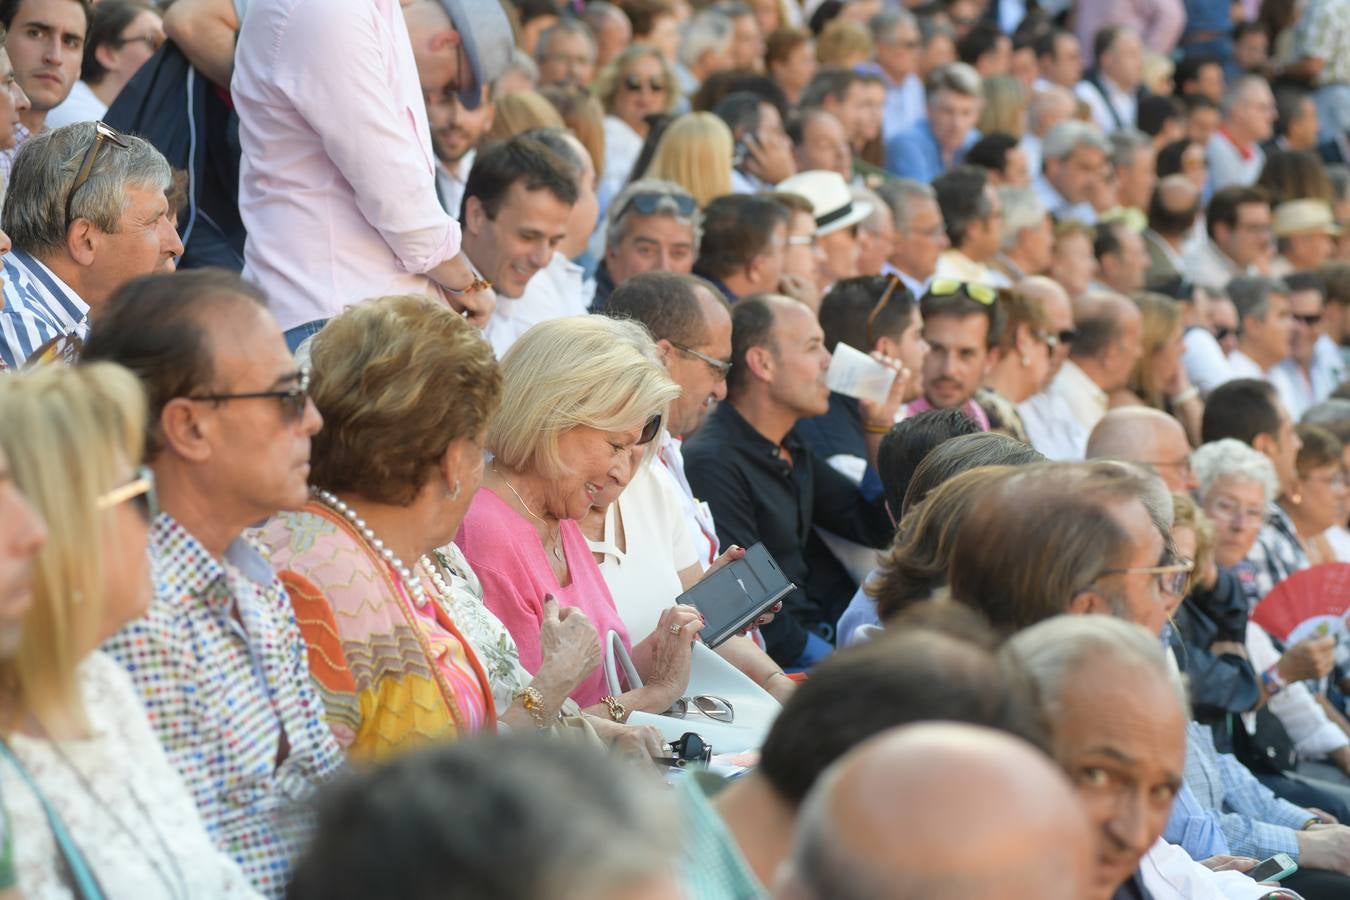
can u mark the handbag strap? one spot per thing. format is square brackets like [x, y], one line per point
[83, 882]
[619, 665]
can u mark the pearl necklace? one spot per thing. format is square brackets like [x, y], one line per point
[410, 581]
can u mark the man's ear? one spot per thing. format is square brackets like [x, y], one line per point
[665, 347]
[760, 362]
[185, 432]
[82, 240]
[1265, 444]
[475, 217]
[1088, 602]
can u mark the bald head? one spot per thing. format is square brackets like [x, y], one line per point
[939, 811]
[1148, 436]
[1177, 193]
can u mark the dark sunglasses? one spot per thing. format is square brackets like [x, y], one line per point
[1223, 334]
[1068, 336]
[947, 287]
[881, 305]
[650, 430]
[295, 399]
[634, 84]
[1312, 320]
[689, 749]
[102, 134]
[140, 490]
[649, 203]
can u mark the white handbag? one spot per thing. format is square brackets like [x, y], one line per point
[709, 674]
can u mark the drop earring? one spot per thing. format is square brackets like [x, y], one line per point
[454, 493]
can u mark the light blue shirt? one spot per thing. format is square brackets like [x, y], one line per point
[913, 153]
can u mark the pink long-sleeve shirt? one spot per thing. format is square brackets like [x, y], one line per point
[337, 178]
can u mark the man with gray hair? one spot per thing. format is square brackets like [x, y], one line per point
[1133, 161]
[1028, 236]
[1265, 334]
[705, 49]
[566, 54]
[652, 226]
[1073, 167]
[1050, 104]
[1234, 152]
[876, 825]
[611, 29]
[935, 144]
[896, 36]
[86, 211]
[920, 232]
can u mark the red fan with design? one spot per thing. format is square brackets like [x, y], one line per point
[1307, 604]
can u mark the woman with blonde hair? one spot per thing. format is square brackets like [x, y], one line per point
[696, 153]
[1026, 344]
[1005, 106]
[637, 83]
[95, 808]
[582, 397]
[844, 44]
[1158, 379]
[519, 112]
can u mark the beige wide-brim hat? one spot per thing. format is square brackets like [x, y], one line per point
[485, 34]
[831, 200]
[1304, 217]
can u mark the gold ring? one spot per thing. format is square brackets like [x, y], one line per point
[674, 629]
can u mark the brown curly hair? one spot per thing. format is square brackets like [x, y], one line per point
[396, 380]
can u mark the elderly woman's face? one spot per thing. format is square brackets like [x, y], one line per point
[1237, 506]
[598, 464]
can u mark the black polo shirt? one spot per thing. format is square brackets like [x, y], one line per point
[755, 495]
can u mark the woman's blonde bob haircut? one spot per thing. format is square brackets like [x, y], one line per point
[608, 79]
[695, 152]
[590, 371]
[71, 435]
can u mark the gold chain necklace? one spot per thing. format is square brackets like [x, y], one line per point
[556, 538]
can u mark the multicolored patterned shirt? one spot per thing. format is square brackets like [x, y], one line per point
[222, 670]
[1277, 554]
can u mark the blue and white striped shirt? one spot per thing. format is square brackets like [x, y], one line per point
[39, 307]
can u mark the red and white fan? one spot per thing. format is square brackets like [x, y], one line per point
[1307, 604]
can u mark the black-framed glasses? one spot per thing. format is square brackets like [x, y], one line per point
[102, 134]
[140, 489]
[635, 83]
[1312, 320]
[1067, 336]
[947, 287]
[721, 368]
[295, 399]
[886, 295]
[1223, 334]
[650, 430]
[153, 41]
[649, 203]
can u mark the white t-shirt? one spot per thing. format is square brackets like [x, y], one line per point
[644, 577]
[81, 106]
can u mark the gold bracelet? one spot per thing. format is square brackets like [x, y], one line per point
[876, 429]
[533, 701]
[616, 710]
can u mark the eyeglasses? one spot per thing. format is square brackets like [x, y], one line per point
[892, 284]
[650, 430]
[295, 399]
[802, 240]
[1048, 339]
[1172, 578]
[721, 368]
[153, 41]
[1312, 320]
[947, 287]
[140, 489]
[1183, 465]
[710, 706]
[635, 84]
[1067, 336]
[102, 133]
[1223, 334]
[1225, 510]
[1335, 482]
[649, 203]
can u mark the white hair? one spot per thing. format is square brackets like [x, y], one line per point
[1022, 209]
[1230, 458]
[708, 30]
[1067, 137]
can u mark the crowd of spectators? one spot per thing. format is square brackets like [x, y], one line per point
[377, 379]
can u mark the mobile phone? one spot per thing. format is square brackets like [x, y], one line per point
[1277, 868]
[737, 594]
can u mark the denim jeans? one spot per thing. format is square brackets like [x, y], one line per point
[296, 336]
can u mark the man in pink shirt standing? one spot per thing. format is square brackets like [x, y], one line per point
[337, 177]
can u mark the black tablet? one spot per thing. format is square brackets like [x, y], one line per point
[731, 598]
